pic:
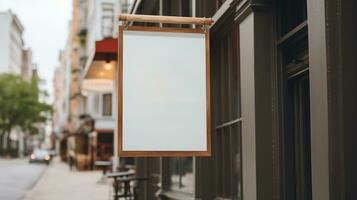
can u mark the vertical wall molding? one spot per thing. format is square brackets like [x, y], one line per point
[318, 100]
[256, 96]
[246, 29]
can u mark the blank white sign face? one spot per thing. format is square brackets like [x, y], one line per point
[164, 91]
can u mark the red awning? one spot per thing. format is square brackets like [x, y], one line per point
[106, 49]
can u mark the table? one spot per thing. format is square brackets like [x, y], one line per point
[125, 178]
[104, 165]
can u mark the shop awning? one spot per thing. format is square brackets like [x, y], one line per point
[99, 69]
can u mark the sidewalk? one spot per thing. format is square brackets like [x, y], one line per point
[58, 183]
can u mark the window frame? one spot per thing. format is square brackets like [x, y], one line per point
[291, 70]
[107, 7]
[224, 120]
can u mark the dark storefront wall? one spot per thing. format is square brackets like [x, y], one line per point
[220, 175]
[270, 71]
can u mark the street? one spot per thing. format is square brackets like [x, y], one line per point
[17, 177]
[59, 183]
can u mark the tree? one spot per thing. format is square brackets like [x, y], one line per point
[20, 105]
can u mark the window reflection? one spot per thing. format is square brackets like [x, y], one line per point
[182, 176]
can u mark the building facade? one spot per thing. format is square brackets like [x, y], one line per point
[283, 103]
[61, 100]
[11, 39]
[27, 65]
[100, 25]
[92, 21]
[15, 59]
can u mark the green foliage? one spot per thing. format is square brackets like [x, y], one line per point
[20, 105]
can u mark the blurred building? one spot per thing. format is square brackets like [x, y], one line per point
[92, 21]
[12, 43]
[67, 91]
[61, 100]
[15, 59]
[27, 65]
[100, 25]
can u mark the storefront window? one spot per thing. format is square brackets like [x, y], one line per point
[107, 20]
[295, 138]
[292, 14]
[226, 90]
[107, 104]
[96, 104]
[182, 174]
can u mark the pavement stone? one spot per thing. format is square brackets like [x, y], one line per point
[59, 183]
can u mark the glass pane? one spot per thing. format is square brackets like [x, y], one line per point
[182, 176]
[227, 89]
[299, 89]
[107, 26]
[292, 13]
[96, 105]
[297, 151]
[236, 162]
[107, 104]
[107, 19]
[233, 74]
[295, 52]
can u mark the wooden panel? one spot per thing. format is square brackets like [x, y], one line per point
[165, 19]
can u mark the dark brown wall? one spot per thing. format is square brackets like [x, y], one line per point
[341, 45]
[333, 59]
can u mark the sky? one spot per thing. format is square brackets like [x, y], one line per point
[46, 28]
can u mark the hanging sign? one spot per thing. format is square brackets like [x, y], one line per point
[163, 92]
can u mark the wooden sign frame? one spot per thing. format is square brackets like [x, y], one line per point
[124, 153]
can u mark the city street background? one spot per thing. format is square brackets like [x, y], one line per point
[279, 108]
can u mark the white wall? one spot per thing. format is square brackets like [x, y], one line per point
[62, 89]
[11, 43]
[5, 20]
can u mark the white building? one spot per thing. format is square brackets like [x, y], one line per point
[61, 95]
[101, 17]
[11, 51]
[27, 65]
[14, 59]
[76, 97]
[61, 90]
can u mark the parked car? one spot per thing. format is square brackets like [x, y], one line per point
[41, 156]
